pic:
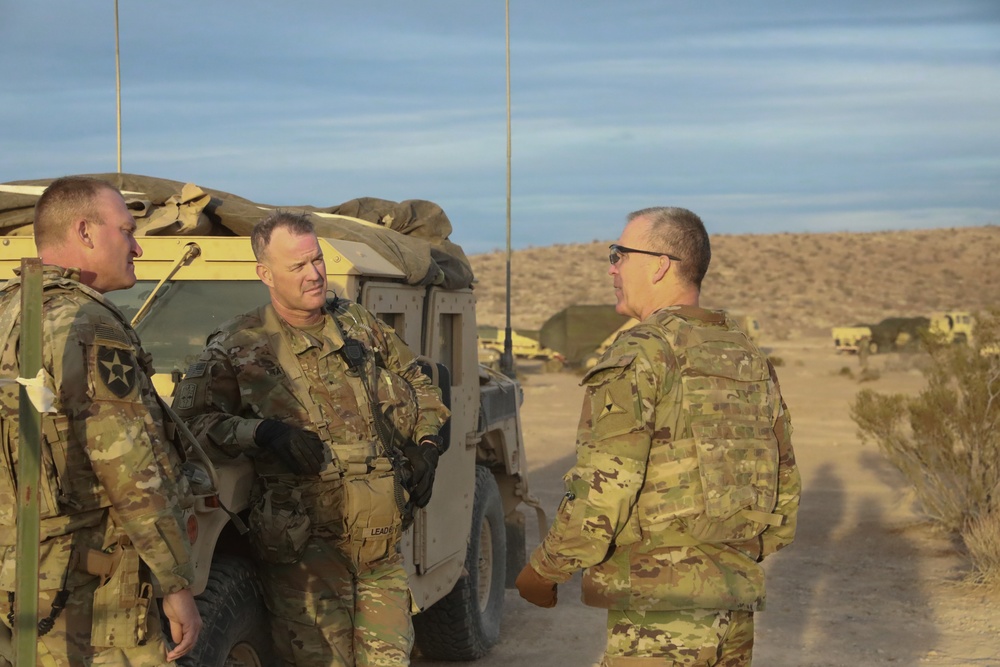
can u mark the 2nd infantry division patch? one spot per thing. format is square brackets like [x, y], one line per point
[116, 369]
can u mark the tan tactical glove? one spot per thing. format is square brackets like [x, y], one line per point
[535, 588]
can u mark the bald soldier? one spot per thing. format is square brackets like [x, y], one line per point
[342, 425]
[685, 476]
[112, 494]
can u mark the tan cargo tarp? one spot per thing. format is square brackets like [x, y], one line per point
[412, 235]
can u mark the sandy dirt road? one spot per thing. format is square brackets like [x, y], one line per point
[867, 582]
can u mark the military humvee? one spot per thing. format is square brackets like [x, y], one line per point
[954, 327]
[491, 343]
[463, 549]
[852, 339]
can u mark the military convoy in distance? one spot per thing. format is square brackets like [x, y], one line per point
[468, 544]
[895, 334]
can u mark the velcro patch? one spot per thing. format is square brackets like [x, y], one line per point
[196, 370]
[378, 532]
[186, 392]
[116, 368]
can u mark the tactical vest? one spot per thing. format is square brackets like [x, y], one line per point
[358, 500]
[70, 495]
[719, 483]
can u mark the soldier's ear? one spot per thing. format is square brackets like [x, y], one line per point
[80, 230]
[265, 275]
[662, 266]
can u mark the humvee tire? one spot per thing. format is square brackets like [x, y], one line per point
[236, 629]
[465, 624]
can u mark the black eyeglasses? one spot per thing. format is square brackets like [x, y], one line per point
[618, 250]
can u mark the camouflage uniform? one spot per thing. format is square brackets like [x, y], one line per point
[682, 424]
[344, 599]
[108, 469]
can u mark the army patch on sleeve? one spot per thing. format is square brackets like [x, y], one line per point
[116, 369]
[186, 393]
[615, 410]
[610, 406]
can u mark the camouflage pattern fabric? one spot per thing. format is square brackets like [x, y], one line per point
[637, 488]
[107, 466]
[325, 613]
[240, 380]
[691, 637]
[68, 643]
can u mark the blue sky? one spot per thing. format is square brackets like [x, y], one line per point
[762, 117]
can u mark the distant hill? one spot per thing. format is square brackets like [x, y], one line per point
[795, 284]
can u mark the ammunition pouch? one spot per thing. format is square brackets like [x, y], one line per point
[373, 520]
[279, 525]
[356, 505]
[122, 600]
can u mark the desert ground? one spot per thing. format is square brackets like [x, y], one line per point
[867, 582]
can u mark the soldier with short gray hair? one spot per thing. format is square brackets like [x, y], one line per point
[685, 476]
[112, 494]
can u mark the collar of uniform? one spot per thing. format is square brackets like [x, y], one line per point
[300, 341]
[54, 272]
[696, 313]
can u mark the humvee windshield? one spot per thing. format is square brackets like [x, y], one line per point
[174, 328]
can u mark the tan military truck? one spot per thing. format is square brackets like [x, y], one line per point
[491, 343]
[852, 339]
[954, 327]
[463, 549]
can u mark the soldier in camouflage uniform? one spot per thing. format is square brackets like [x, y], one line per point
[111, 481]
[685, 476]
[304, 386]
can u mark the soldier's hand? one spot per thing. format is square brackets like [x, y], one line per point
[299, 450]
[185, 621]
[423, 460]
[535, 588]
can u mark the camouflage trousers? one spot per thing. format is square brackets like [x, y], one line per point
[323, 613]
[68, 644]
[690, 637]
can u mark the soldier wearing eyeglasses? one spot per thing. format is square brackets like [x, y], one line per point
[685, 476]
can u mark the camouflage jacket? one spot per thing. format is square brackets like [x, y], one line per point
[634, 499]
[107, 465]
[239, 380]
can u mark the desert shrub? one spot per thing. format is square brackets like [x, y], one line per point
[946, 440]
[982, 538]
[846, 372]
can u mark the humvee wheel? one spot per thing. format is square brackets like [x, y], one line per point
[465, 624]
[235, 631]
[553, 365]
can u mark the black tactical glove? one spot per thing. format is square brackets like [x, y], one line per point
[301, 451]
[423, 460]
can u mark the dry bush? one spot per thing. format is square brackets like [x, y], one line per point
[982, 538]
[946, 440]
